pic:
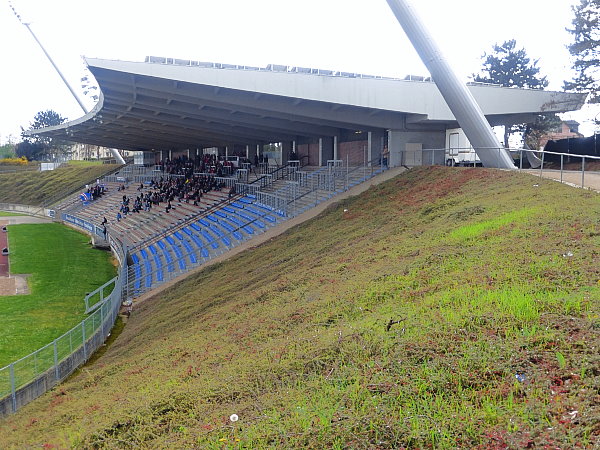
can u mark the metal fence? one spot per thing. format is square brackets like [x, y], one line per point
[173, 269]
[26, 379]
[283, 203]
[564, 167]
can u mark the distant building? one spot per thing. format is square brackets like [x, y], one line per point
[567, 129]
[87, 152]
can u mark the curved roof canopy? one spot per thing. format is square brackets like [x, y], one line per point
[166, 104]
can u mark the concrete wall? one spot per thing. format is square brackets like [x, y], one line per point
[398, 141]
[311, 150]
[353, 152]
[25, 209]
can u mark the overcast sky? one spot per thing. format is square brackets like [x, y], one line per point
[348, 35]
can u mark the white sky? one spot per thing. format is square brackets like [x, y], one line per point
[349, 35]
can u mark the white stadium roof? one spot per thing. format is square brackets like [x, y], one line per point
[170, 104]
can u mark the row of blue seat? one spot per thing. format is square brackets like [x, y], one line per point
[204, 238]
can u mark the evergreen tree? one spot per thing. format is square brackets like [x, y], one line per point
[40, 147]
[584, 49]
[511, 67]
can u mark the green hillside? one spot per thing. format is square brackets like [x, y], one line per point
[446, 308]
[33, 188]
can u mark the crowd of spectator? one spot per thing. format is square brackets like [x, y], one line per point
[166, 191]
[209, 164]
[94, 192]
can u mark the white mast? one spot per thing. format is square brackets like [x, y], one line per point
[459, 99]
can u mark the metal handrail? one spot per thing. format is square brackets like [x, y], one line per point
[133, 292]
[182, 224]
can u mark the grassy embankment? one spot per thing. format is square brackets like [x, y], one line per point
[9, 214]
[63, 269]
[446, 308]
[32, 188]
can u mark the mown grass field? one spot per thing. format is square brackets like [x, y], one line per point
[32, 188]
[446, 308]
[9, 214]
[63, 268]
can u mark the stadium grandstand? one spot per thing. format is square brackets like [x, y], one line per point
[227, 152]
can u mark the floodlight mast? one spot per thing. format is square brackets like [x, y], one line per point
[85, 110]
[459, 99]
[114, 151]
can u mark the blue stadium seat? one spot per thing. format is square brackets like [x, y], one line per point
[190, 252]
[267, 217]
[178, 253]
[213, 243]
[231, 229]
[157, 263]
[167, 254]
[147, 268]
[215, 229]
[249, 219]
[137, 270]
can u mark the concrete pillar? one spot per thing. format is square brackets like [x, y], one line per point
[335, 147]
[286, 149]
[247, 152]
[375, 146]
[325, 150]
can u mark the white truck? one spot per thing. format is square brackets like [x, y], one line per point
[459, 151]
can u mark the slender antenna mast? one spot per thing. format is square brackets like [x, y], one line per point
[85, 110]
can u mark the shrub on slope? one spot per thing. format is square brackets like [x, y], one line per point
[445, 308]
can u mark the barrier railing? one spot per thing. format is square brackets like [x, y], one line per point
[196, 254]
[561, 172]
[29, 377]
[553, 164]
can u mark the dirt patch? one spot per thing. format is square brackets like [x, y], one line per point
[8, 286]
[14, 285]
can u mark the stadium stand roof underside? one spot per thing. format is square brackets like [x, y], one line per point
[166, 104]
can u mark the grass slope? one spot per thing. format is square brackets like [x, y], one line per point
[63, 269]
[32, 188]
[438, 311]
